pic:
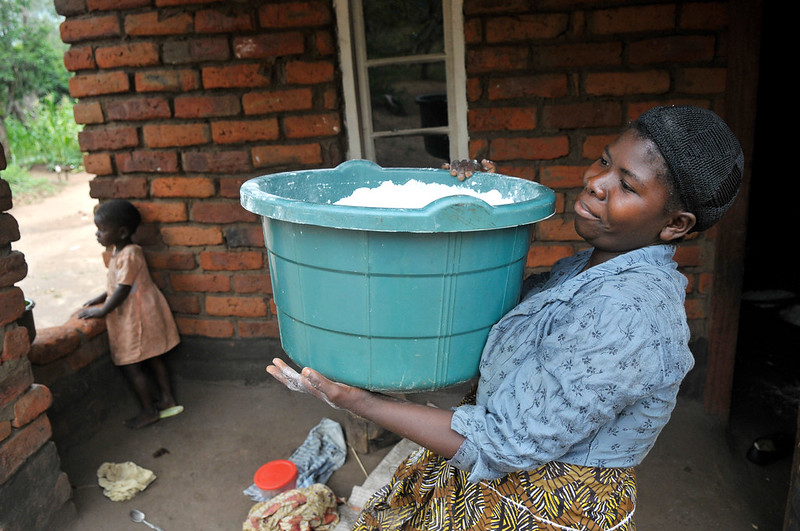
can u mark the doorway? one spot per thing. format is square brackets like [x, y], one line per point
[766, 383]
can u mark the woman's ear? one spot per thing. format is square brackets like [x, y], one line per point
[678, 227]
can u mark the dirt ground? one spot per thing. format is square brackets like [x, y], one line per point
[65, 265]
[696, 477]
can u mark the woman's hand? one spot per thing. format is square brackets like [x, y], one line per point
[336, 395]
[426, 425]
[463, 169]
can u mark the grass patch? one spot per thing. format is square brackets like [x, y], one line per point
[47, 137]
[25, 188]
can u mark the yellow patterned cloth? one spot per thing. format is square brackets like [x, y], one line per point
[426, 494]
[312, 508]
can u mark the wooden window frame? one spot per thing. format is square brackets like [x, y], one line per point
[355, 81]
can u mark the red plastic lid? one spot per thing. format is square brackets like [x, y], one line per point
[275, 474]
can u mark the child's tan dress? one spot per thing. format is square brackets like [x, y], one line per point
[142, 326]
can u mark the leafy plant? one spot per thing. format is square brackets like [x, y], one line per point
[48, 135]
[31, 59]
[31, 53]
[24, 187]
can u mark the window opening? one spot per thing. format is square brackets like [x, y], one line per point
[404, 81]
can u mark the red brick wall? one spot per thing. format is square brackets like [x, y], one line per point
[182, 100]
[32, 486]
[549, 86]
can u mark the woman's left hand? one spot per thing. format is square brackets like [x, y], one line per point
[335, 394]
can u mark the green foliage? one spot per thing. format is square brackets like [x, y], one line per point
[48, 136]
[31, 53]
[35, 109]
[24, 187]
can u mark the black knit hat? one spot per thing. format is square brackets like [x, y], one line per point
[703, 155]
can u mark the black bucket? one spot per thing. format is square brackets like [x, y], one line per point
[27, 319]
[433, 113]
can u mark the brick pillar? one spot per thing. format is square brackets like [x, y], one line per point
[34, 492]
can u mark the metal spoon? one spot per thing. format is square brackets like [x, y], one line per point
[138, 517]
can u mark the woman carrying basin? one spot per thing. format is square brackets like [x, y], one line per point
[577, 381]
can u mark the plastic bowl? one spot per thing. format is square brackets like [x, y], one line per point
[392, 299]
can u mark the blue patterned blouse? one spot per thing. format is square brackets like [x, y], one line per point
[585, 370]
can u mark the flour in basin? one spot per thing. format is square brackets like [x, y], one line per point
[414, 194]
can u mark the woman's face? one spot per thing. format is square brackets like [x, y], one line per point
[622, 204]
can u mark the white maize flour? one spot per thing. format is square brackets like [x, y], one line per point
[414, 194]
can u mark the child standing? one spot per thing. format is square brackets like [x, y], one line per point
[139, 322]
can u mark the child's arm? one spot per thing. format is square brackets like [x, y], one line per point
[116, 298]
[100, 299]
[425, 425]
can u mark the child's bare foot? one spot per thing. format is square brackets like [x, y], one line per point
[145, 418]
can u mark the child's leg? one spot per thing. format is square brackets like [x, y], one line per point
[141, 388]
[161, 376]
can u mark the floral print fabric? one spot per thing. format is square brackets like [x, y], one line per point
[585, 370]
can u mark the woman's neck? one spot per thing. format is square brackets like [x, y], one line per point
[597, 257]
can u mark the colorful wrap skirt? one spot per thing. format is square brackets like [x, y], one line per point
[428, 494]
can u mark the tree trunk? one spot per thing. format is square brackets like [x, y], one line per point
[4, 139]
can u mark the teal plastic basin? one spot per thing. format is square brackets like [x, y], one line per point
[392, 299]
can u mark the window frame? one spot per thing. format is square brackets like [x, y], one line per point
[355, 81]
